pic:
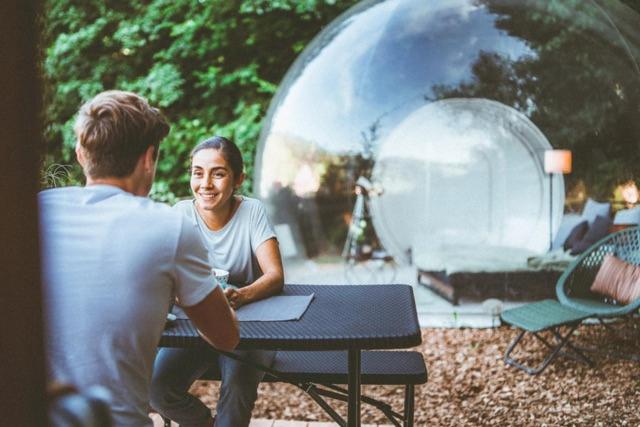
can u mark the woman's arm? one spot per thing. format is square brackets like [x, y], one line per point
[271, 281]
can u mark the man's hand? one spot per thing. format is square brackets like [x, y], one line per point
[215, 320]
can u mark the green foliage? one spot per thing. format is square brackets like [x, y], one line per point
[211, 65]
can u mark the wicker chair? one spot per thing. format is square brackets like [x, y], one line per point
[575, 301]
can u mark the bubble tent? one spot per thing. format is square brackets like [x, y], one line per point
[488, 156]
[447, 107]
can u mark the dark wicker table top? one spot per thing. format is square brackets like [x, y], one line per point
[340, 317]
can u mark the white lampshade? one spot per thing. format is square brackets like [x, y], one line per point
[557, 161]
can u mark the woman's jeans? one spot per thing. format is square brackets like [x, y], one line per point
[176, 369]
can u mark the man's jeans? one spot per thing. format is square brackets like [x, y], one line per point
[175, 369]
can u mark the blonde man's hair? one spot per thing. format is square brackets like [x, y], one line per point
[114, 129]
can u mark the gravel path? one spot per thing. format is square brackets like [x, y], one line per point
[470, 385]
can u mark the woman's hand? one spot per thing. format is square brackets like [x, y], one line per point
[236, 297]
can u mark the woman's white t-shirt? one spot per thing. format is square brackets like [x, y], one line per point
[233, 247]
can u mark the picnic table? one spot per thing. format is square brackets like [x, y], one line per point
[350, 318]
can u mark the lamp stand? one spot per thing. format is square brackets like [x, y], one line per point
[550, 211]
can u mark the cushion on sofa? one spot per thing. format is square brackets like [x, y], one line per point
[597, 231]
[618, 280]
[576, 235]
[568, 223]
[593, 209]
[627, 216]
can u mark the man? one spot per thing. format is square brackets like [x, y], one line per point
[113, 261]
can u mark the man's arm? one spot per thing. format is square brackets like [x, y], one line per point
[211, 314]
[215, 320]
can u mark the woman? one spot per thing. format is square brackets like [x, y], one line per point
[240, 240]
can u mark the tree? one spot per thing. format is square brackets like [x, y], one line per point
[211, 65]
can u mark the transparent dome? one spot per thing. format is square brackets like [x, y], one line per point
[447, 107]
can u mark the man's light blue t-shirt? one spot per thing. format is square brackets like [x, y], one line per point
[112, 262]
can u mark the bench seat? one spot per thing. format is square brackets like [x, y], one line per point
[318, 372]
[330, 367]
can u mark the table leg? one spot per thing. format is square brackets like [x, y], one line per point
[353, 407]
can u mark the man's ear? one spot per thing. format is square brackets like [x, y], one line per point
[80, 156]
[149, 159]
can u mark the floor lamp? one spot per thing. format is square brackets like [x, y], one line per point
[555, 161]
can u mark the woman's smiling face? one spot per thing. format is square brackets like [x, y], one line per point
[212, 180]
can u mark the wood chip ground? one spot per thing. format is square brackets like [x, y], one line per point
[469, 384]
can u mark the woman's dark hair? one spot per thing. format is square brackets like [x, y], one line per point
[227, 148]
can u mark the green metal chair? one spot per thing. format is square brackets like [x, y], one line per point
[575, 302]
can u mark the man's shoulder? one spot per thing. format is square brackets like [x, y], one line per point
[62, 197]
[57, 193]
[184, 205]
[154, 214]
[104, 201]
[186, 210]
[252, 203]
[147, 204]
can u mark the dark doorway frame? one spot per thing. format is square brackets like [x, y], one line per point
[22, 371]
